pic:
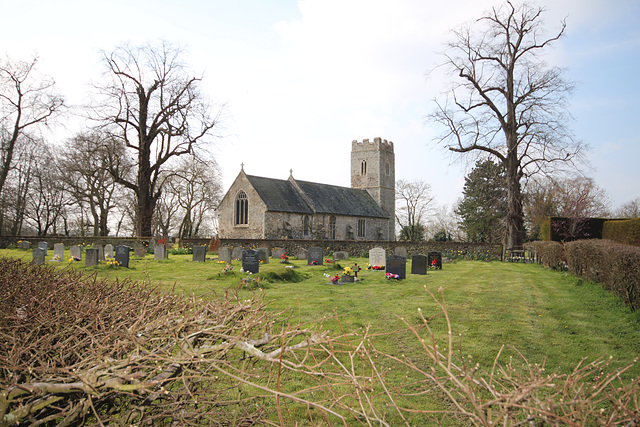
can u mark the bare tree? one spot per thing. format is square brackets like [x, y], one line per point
[153, 105]
[26, 100]
[506, 102]
[413, 202]
[631, 209]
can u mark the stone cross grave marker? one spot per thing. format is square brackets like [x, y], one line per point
[314, 256]
[355, 269]
[76, 252]
[397, 265]
[199, 253]
[250, 261]
[90, 257]
[340, 255]
[108, 251]
[400, 251]
[377, 256]
[43, 246]
[38, 256]
[58, 252]
[263, 255]
[224, 254]
[418, 264]
[435, 260]
[159, 252]
[122, 255]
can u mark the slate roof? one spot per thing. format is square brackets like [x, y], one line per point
[310, 197]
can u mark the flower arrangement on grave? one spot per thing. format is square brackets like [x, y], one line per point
[284, 258]
[328, 261]
[111, 262]
[434, 264]
[250, 282]
[335, 279]
[313, 263]
[56, 257]
[375, 267]
[227, 269]
[348, 271]
[392, 276]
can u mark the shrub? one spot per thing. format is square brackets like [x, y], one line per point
[613, 264]
[550, 254]
[623, 231]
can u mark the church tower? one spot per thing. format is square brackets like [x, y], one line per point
[373, 169]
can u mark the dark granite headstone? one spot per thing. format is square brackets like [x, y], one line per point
[340, 255]
[224, 254]
[250, 261]
[58, 252]
[90, 257]
[314, 256]
[263, 255]
[397, 265]
[38, 256]
[434, 259]
[199, 253]
[122, 256]
[43, 246]
[419, 264]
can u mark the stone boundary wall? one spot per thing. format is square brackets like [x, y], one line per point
[357, 248]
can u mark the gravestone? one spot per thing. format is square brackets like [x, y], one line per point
[160, 252]
[199, 253]
[263, 255]
[100, 250]
[58, 252]
[434, 259]
[276, 253]
[38, 256]
[250, 261]
[23, 244]
[419, 264]
[76, 252]
[90, 257]
[140, 251]
[236, 253]
[397, 265]
[377, 256]
[43, 246]
[340, 255]
[122, 255]
[314, 256]
[224, 254]
[301, 253]
[400, 251]
[108, 251]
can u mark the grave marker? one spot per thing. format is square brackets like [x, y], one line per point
[38, 256]
[250, 261]
[236, 253]
[76, 252]
[90, 257]
[435, 260]
[263, 255]
[276, 253]
[108, 251]
[140, 251]
[122, 255]
[23, 244]
[100, 250]
[377, 256]
[397, 265]
[419, 264]
[58, 252]
[301, 253]
[43, 246]
[199, 253]
[400, 251]
[340, 255]
[224, 254]
[160, 252]
[314, 256]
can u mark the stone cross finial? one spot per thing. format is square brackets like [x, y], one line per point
[242, 166]
[291, 173]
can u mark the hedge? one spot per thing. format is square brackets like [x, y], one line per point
[550, 254]
[623, 231]
[615, 265]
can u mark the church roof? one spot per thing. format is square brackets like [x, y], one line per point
[310, 197]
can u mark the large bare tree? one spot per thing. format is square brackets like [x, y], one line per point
[153, 104]
[505, 102]
[27, 100]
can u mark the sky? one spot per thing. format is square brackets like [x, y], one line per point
[297, 81]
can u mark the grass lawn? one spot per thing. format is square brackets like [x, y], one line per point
[550, 317]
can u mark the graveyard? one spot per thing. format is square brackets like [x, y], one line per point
[550, 318]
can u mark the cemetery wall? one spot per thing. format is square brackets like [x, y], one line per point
[358, 248]
[101, 240]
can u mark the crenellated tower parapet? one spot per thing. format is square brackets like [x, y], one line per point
[373, 169]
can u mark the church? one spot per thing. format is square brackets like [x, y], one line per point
[265, 208]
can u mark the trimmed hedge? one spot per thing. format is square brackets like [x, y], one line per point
[550, 254]
[615, 265]
[623, 231]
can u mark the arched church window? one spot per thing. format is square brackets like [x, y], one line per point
[306, 226]
[387, 168]
[363, 167]
[332, 228]
[242, 209]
